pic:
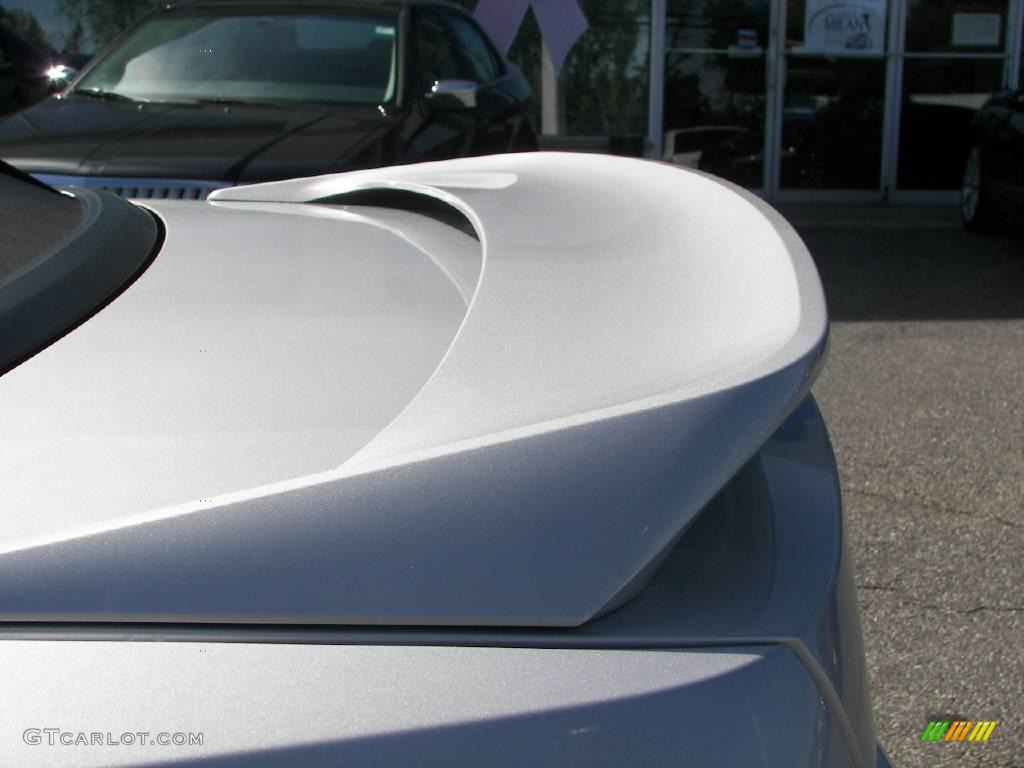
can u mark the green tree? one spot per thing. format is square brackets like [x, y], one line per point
[606, 75]
[75, 39]
[604, 78]
[25, 24]
[103, 20]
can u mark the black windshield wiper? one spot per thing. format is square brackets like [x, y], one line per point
[99, 93]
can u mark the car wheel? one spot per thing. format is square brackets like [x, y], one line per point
[975, 206]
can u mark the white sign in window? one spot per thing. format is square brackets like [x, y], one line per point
[976, 28]
[852, 26]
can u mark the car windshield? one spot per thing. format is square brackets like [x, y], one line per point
[347, 59]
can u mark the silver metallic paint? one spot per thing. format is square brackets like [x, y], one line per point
[253, 348]
[764, 564]
[278, 705]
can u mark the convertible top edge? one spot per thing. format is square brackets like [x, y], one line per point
[636, 333]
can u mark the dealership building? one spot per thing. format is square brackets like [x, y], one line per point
[860, 100]
[832, 100]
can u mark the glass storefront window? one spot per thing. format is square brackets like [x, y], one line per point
[605, 78]
[714, 114]
[940, 99]
[715, 87]
[956, 26]
[602, 88]
[833, 97]
[717, 24]
[954, 60]
[832, 123]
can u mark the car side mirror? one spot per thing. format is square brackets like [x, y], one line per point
[453, 95]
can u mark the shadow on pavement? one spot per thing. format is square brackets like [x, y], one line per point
[913, 264]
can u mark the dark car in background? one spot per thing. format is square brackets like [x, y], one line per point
[993, 188]
[206, 94]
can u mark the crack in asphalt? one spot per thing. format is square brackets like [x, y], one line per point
[930, 505]
[944, 608]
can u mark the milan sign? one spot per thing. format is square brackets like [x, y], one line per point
[855, 25]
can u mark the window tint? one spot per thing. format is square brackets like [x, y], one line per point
[3, 55]
[482, 61]
[435, 52]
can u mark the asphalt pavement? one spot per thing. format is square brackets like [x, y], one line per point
[923, 392]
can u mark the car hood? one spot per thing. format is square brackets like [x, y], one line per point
[366, 415]
[234, 143]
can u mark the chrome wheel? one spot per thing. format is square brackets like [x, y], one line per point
[971, 192]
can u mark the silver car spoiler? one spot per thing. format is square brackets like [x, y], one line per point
[637, 331]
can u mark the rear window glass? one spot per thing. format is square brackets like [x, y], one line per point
[32, 221]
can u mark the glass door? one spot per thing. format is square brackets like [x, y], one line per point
[955, 54]
[715, 87]
[832, 79]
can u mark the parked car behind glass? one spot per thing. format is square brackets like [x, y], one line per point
[201, 95]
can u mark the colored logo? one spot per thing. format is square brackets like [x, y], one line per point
[959, 730]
